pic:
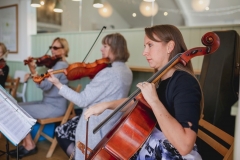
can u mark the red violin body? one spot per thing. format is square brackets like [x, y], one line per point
[78, 70]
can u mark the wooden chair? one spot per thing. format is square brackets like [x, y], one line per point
[11, 85]
[227, 153]
[70, 113]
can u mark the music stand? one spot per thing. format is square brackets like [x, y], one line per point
[7, 150]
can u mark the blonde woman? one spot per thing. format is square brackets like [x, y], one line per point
[4, 69]
[52, 104]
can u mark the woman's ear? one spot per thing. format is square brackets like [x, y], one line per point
[170, 46]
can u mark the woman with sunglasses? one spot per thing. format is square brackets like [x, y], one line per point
[176, 100]
[110, 83]
[4, 69]
[52, 104]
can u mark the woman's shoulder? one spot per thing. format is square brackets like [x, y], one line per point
[181, 74]
[183, 77]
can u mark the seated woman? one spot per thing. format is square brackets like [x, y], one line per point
[52, 104]
[4, 69]
[110, 83]
[176, 100]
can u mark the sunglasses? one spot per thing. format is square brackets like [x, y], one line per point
[54, 47]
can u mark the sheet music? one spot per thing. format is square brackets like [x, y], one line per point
[15, 123]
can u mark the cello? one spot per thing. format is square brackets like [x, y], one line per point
[137, 123]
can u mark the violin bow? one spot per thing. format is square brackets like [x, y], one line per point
[104, 27]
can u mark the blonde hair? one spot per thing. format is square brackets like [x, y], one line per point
[64, 44]
[4, 48]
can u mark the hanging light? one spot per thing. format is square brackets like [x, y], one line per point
[147, 9]
[35, 3]
[42, 2]
[97, 4]
[200, 5]
[106, 10]
[58, 7]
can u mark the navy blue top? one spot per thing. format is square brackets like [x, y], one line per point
[3, 78]
[181, 95]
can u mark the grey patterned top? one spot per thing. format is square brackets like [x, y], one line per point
[109, 84]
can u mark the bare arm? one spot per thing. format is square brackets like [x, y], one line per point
[97, 109]
[181, 138]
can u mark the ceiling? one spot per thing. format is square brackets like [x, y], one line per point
[180, 12]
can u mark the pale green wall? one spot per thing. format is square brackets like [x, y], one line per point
[81, 42]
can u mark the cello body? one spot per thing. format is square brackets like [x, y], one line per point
[133, 134]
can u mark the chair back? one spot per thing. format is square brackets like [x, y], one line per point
[70, 113]
[11, 85]
[217, 139]
[21, 74]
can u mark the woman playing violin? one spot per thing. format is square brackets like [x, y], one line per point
[52, 104]
[176, 100]
[4, 69]
[110, 83]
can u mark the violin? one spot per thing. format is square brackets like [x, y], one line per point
[2, 63]
[138, 121]
[46, 60]
[78, 70]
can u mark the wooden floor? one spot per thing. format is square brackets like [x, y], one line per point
[43, 147]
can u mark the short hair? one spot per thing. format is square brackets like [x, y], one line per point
[118, 46]
[64, 44]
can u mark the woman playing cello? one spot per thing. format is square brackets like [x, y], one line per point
[176, 100]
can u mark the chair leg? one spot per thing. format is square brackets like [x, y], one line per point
[52, 148]
[229, 154]
[38, 133]
[23, 98]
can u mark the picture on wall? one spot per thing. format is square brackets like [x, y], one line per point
[9, 27]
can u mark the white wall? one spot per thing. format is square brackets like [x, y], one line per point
[26, 27]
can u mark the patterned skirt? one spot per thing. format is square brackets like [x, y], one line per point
[157, 147]
[68, 129]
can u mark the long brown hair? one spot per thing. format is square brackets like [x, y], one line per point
[167, 33]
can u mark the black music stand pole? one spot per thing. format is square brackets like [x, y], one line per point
[7, 150]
